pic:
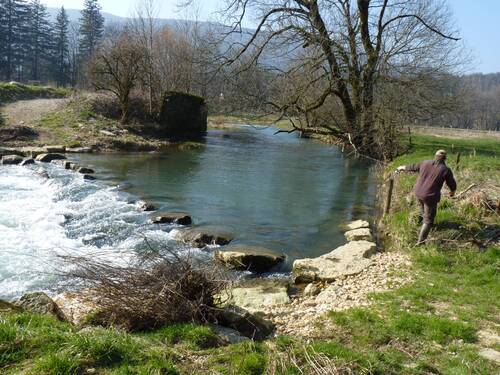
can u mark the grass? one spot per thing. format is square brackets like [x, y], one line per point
[431, 325]
[427, 327]
[11, 93]
[77, 125]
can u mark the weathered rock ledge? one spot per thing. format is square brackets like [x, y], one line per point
[346, 260]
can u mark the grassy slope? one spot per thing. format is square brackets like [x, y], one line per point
[430, 326]
[11, 93]
[77, 125]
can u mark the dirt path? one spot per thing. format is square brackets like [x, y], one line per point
[27, 112]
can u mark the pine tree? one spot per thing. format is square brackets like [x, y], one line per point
[13, 16]
[40, 42]
[91, 28]
[61, 46]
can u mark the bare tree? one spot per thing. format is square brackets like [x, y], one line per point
[344, 49]
[145, 25]
[117, 68]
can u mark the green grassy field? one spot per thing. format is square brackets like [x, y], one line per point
[431, 326]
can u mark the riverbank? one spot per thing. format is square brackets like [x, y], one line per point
[34, 116]
[444, 319]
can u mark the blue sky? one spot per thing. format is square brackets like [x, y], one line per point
[479, 21]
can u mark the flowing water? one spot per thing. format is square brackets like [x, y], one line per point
[276, 191]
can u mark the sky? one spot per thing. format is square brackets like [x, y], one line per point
[479, 21]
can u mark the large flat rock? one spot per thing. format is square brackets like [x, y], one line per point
[357, 224]
[349, 259]
[359, 235]
[256, 295]
[247, 257]
[203, 236]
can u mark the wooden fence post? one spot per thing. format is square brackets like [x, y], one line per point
[389, 196]
[457, 161]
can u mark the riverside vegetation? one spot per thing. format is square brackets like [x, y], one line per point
[445, 321]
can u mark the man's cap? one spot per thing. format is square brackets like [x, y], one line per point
[440, 153]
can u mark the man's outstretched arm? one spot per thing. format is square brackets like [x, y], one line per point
[408, 168]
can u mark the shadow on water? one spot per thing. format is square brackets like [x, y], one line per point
[276, 191]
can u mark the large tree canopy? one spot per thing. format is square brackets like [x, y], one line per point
[344, 54]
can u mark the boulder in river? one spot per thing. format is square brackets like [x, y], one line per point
[47, 158]
[146, 206]
[256, 294]
[28, 161]
[171, 218]
[40, 303]
[357, 224]
[349, 259]
[85, 170]
[88, 177]
[11, 159]
[251, 258]
[359, 235]
[253, 326]
[203, 236]
[183, 116]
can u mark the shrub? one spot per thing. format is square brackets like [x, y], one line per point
[162, 289]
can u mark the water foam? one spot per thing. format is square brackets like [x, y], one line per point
[42, 218]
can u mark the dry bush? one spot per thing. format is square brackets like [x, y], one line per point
[108, 106]
[160, 289]
[485, 195]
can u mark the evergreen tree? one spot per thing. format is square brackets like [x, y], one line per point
[40, 41]
[62, 46]
[91, 28]
[13, 16]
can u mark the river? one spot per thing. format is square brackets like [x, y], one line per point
[277, 191]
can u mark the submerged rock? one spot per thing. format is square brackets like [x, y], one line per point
[28, 161]
[171, 218]
[251, 258]
[346, 260]
[11, 159]
[63, 163]
[250, 325]
[203, 236]
[361, 234]
[88, 177]
[47, 158]
[357, 224]
[40, 303]
[257, 294]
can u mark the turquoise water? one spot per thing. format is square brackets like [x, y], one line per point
[276, 191]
